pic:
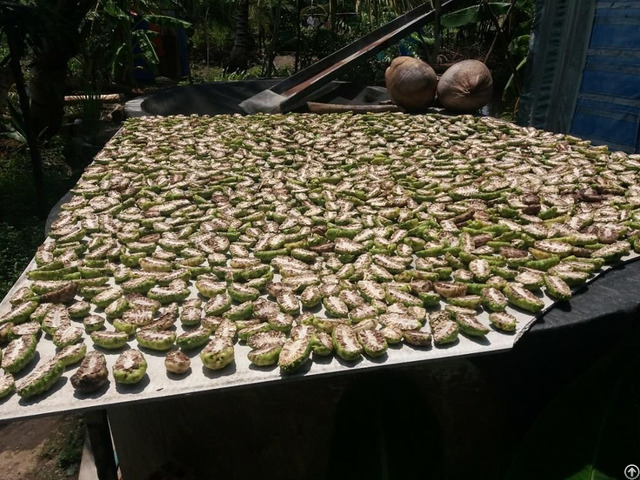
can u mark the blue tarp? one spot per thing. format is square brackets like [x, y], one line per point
[583, 73]
[608, 105]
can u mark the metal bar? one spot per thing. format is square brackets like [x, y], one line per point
[101, 445]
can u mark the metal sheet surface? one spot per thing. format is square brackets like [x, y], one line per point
[158, 384]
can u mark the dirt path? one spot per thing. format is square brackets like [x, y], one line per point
[41, 449]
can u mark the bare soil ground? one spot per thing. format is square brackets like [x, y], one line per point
[47, 448]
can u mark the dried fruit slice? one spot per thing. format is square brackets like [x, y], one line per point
[218, 353]
[130, 367]
[7, 384]
[107, 296]
[67, 336]
[191, 314]
[373, 342]
[265, 356]
[392, 335]
[28, 328]
[530, 279]
[503, 321]
[20, 313]
[248, 331]
[347, 246]
[471, 326]
[395, 295]
[294, 354]
[371, 290]
[553, 247]
[310, 296]
[445, 332]
[239, 312]
[209, 288]
[288, 302]
[41, 379]
[21, 295]
[92, 374]
[116, 308]
[363, 312]
[557, 287]
[242, 293]
[138, 285]
[63, 294]
[55, 318]
[266, 339]
[169, 294]
[226, 329]
[493, 299]
[19, 353]
[571, 277]
[449, 290]
[71, 354]
[156, 340]
[345, 343]
[193, 338]
[110, 340]
[481, 269]
[280, 321]
[400, 321]
[218, 304]
[466, 301]
[612, 252]
[150, 264]
[335, 307]
[523, 298]
[177, 362]
[93, 323]
[139, 317]
[79, 309]
[417, 338]
[138, 301]
[321, 344]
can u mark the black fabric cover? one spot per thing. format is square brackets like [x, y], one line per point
[224, 97]
[611, 297]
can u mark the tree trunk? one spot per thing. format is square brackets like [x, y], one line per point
[274, 39]
[239, 57]
[6, 80]
[56, 41]
[333, 14]
[45, 87]
[15, 49]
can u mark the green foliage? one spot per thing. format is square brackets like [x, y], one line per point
[17, 246]
[65, 446]
[17, 126]
[474, 14]
[218, 74]
[215, 35]
[116, 39]
[21, 231]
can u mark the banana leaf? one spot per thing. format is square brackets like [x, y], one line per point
[473, 14]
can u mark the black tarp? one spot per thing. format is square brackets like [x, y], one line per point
[225, 97]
